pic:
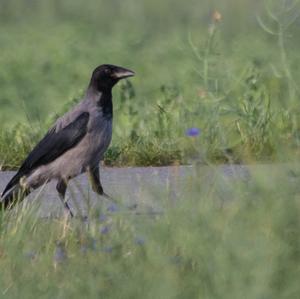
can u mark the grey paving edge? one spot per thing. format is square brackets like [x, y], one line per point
[145, 186]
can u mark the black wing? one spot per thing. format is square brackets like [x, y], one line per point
[53, 145]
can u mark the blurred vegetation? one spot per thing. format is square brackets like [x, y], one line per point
[223, 239]
[229, 68]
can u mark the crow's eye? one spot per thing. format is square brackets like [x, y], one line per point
[107, 71]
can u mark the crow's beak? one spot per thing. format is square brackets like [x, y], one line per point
[122, 73]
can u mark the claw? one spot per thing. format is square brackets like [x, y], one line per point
[107, 196]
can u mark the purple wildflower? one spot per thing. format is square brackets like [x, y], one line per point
[139, 241]
[112, 208]
[102, 218]
[107, 249]
[60, 254]
[105, 230]
[193, 132]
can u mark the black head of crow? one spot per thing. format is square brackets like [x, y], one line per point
[105, 76]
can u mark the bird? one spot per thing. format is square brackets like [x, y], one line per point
[75, 144]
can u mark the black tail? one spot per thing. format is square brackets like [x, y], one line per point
[15, 195]
[14, 181]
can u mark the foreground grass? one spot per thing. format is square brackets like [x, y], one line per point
[242, 243]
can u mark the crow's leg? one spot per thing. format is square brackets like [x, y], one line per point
[94, 175]
[61, 188]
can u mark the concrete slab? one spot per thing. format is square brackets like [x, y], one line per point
[146, 187]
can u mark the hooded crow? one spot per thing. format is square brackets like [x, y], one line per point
[75, 144]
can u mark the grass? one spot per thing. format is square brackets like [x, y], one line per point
[232, 75]
[223, 239]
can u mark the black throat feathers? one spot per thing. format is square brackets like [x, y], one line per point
[105, 102]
